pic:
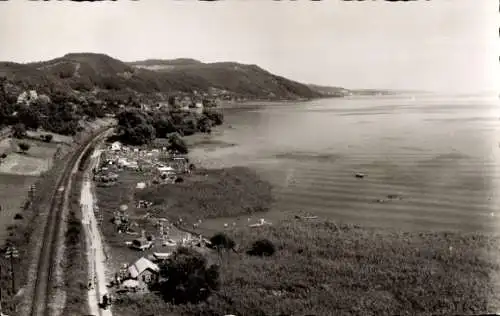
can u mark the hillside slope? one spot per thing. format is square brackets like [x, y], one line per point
[230, 77]
[102, 74]
[329, 91]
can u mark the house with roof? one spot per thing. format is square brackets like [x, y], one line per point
[116, 146]
[143, 270]
[142, 243]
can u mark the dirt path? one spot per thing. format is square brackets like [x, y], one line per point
[96, 255]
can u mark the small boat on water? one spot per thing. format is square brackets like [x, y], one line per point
[359, 175]
[305, 217]
[262, 222]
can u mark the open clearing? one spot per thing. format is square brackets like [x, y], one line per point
[35, 161]
[13, 193]
[17, 173]
[56, 138]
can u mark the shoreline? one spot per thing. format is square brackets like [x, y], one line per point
[321, 265]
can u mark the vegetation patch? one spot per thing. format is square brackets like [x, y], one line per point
[24, 235]
[28, 157]
[75, 257]
[232, 192]
[13, 195]
[136, 127]
[321, 268]
[27, 233]
[49, 137]
[210, 194]
[23, 164]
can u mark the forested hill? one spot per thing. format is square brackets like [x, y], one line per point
[100, 74]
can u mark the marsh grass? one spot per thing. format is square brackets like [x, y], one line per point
[322, 268]
[211, 194]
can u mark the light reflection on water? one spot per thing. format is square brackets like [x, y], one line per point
[439, 154]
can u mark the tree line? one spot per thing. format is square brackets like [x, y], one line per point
[58, 112]
[61, 112]
[139, 127]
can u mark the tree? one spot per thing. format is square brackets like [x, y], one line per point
[215, 116]
[222, 241]
[135, 127]
[29, 116]
[204, 124]
[139, 135]
[163, 125]
[209, 103]
[24, 147]
[177, 144]
[19, 130]
[188, 277]
[172, 101]
[92, 109]
[189, 125]
[262, 247]
[131, 117]
[48, 138]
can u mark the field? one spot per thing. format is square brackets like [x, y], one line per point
[210, 194]
[13, 194]
[16, 176]
[17, 173]
[36, 160]
[322, 268]
[56, 138]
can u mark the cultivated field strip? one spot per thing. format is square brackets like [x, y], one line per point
[46, 265]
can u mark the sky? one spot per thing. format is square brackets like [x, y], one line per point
[440, 45]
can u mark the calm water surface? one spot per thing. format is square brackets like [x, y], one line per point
[439, 155]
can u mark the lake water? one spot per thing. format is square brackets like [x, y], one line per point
[437, 154]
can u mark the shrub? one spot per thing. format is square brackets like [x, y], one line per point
[48, 138]
[262, 247]
[18, 216]
[177, 144]
[3, 156]
[73, 232]
[24, 147]
[19, 130]
[215, 116]
[222, 241]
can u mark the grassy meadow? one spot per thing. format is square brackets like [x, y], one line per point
[322, 268]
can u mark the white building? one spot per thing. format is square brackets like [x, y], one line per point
[27, 97]
[116, 146]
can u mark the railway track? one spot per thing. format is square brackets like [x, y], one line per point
[46, 262]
